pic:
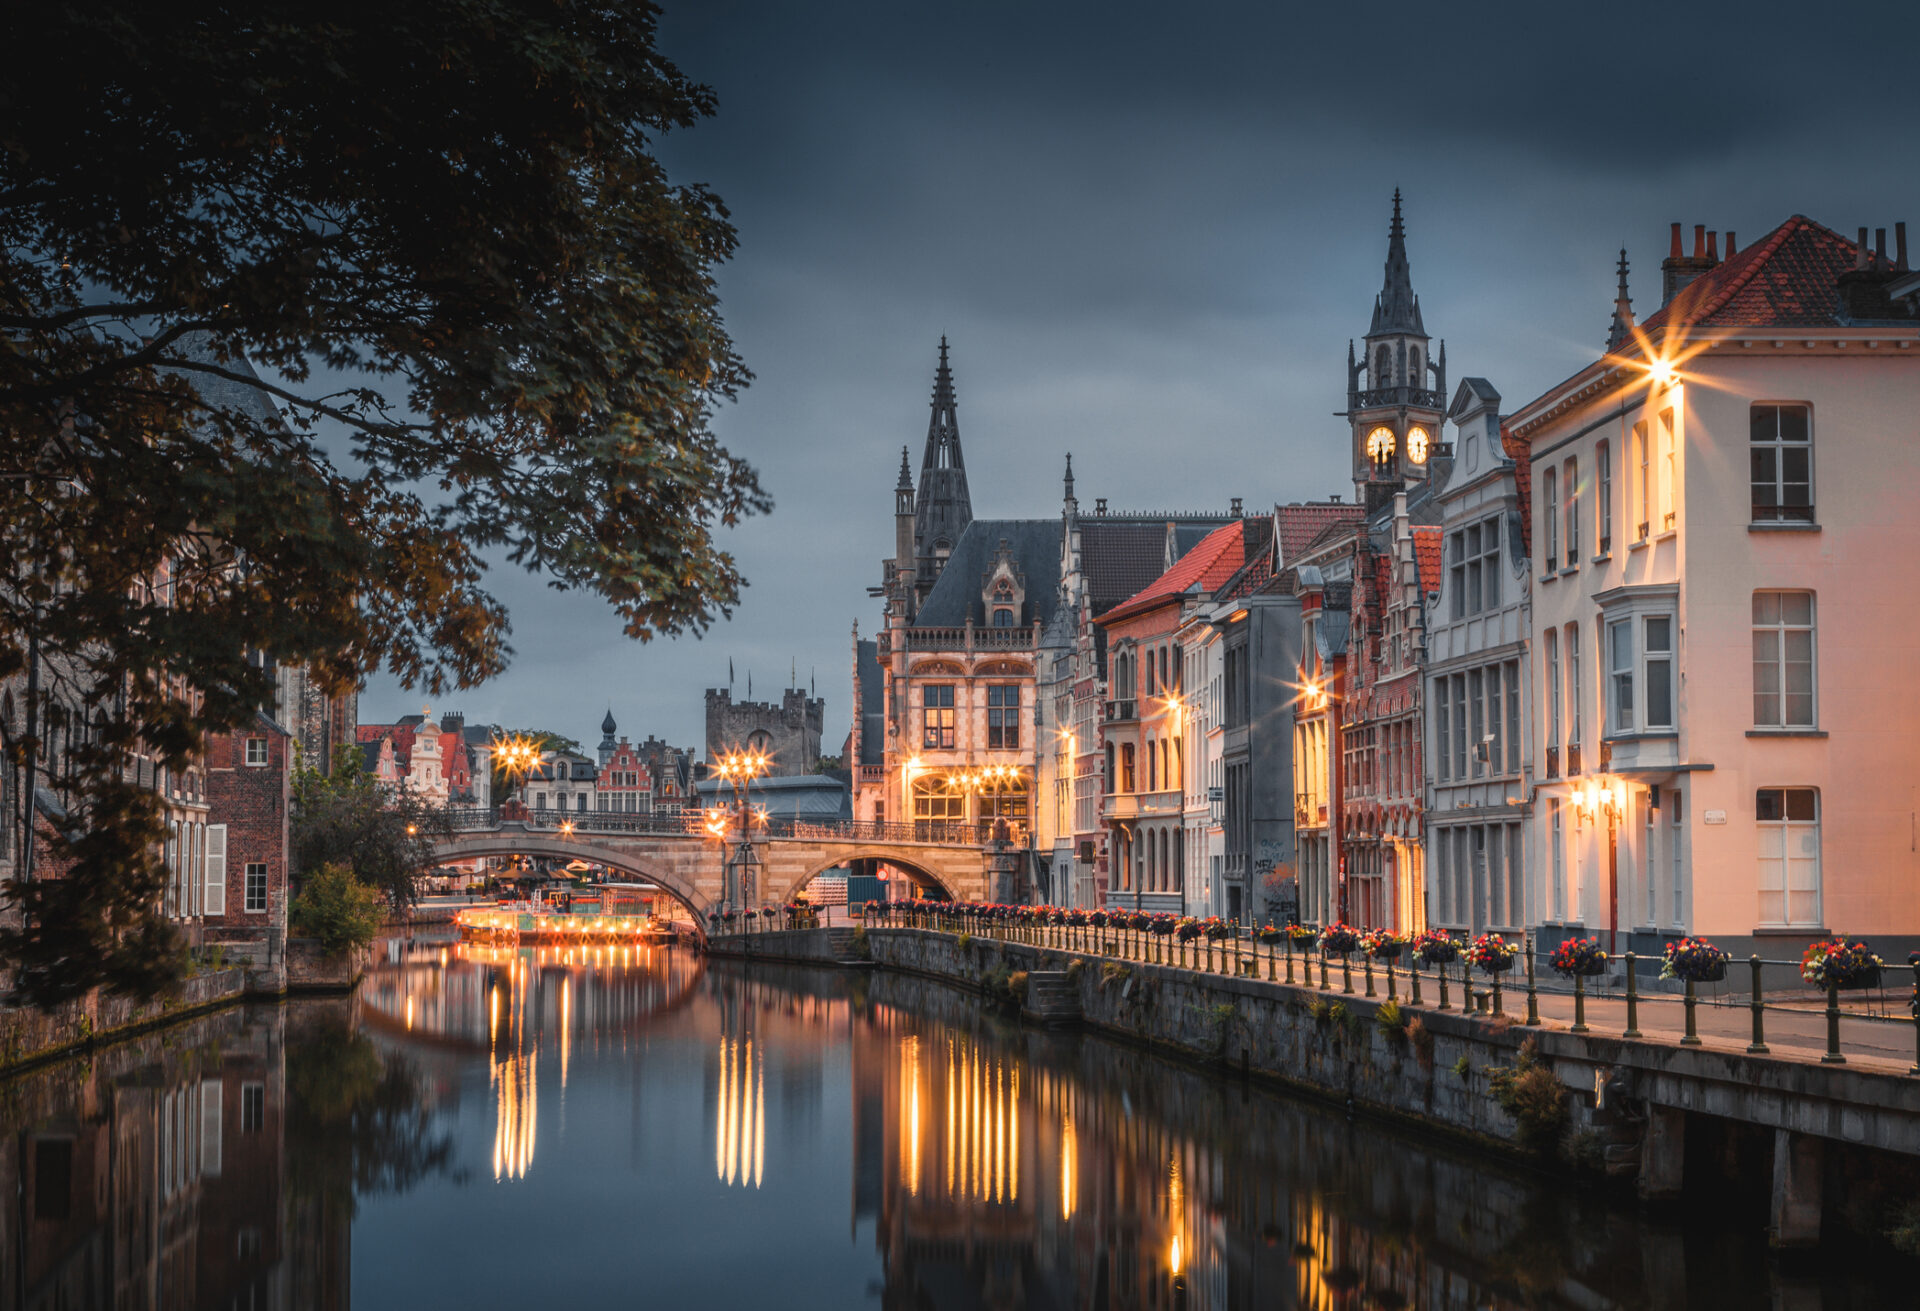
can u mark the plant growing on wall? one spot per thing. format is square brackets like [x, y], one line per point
[1528, 1091]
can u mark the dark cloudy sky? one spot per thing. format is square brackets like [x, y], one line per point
[1149, 231]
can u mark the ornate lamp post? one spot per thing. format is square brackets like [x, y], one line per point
[739, 768]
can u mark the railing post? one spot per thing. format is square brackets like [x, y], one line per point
[1367, 965]
[1833, 1056]
[1579, 1005]
[1346, 974]
[1692, 1037]
[1633, 1001]
[1533, 996]
[1413, 981]
[1496, 994]
[1440, 973]
[1392, 995]
[1913, 1006]
[1324, 985]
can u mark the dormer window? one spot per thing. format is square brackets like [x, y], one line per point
[1002, 618]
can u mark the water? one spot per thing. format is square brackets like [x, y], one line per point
[488, 1128]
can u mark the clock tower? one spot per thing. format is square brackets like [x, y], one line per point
[1397, 410]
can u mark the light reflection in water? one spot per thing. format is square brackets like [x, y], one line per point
[740, 1121]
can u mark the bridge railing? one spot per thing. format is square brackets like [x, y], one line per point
[692, 823]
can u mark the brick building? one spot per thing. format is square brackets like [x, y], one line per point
[249, 794]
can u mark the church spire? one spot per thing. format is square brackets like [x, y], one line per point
[1621, 329]
[1396, 311]
[943, 508]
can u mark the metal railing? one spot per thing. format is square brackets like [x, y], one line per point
[692, 823]
[1405, 979]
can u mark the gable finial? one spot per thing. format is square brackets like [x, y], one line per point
[1621, 329]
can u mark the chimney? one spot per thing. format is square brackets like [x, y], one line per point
[1677, 270]
[1860, 250]
[1900, 246]
[1234, 509]
[1729, 243]
[1880, 245]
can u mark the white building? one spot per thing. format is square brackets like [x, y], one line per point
[1479, 763]
[1725, 550]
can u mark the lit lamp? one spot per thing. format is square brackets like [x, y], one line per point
[739, 769]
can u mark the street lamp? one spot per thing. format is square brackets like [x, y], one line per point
[739, 769]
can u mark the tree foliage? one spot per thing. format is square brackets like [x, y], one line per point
[306, 313]
[346, 819]
[337, 909]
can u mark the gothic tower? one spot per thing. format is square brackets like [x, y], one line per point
[943, 509]
[1396, 416]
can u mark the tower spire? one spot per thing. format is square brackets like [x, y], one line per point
[943, 508]
[1396, 311]
[1621, 329]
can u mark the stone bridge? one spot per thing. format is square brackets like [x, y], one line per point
[677, 855]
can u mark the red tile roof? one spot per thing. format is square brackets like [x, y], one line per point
[1790, 276]
[1301, 524]
[1426, 557]
[1216, 558]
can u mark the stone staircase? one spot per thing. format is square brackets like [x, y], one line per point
[1052, 998]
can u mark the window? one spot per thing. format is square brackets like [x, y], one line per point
[935, 802]
[1668, 472]
[1553, 703]
[1603, 496]
[1676, 855]
[1003, 618]
[256, 886]
[936, 704]
[1620, 666]
[1783, 660]
[1641, 512]
[1126, 767]
[253, 1107]
[1570, 508]
[1574, 691]
[1460, 744]
[1659, 635]
[1782, 464]
[1443, 728]
[1558, 858]
[1550, 511]
[1153, 762]
[1648, 864]
[1789, 823]
[1475, 734]
[1513, 716]
[256, 751]
[1003, 717]
[1475, 552]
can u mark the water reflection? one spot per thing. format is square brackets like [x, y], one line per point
[501, 1127]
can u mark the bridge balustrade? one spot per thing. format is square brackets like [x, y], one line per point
[692, 823]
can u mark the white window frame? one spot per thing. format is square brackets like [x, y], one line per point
[1669, 472]
[257, 758]
[1633, 607]
[1603, 498]
[1574, 691]
[216, 872]
[1570, 508]
[1642, 483]
[1677, 854]
[1778, 448]
[1783, 863]
[247, 890]
[1776, 632]
[1550, 499]
[1557, 858]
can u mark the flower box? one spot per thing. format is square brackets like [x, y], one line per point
[1579, 958]
[1839, 963]
[1436, 948]
[1339, 940]
[1492, 954]
[1693, 960]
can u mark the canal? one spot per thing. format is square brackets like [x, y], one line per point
[488, 1127]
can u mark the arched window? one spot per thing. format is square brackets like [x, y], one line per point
[1413, 367]
[1382, 368]
[1153, 777]
[1002, 617]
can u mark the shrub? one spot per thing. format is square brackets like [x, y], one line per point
[965, 940]
[1320, 1010]
[1904, 1231]
[1463, 1068]
[1017, 985]
[338, 909]
[1075, 968]
[858, 943]
[1528, 1091]
[1391, 1020]
[1422, 1039]
[1112, 972]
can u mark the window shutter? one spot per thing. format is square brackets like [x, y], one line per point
[216, 869]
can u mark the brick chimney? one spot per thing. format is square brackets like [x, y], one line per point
[1678, 269]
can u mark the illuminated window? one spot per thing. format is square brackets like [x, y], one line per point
[1668, 472]
[1003, 717]
[1642, 478]
[936, 702]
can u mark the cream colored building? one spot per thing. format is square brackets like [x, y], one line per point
[1724, 547]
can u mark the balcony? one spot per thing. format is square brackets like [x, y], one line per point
[968, 638]
[1419, 397]
[1124, 806]
[1122, 711]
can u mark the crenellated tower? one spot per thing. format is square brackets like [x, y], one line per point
[1396, 415]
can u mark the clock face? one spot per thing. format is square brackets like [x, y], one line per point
[1417, 445]
[1380, 445]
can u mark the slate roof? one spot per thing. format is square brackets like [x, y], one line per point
[873, 704]
[1035, 545]
[1120, 557]
[1209, 564]
[1789, 277]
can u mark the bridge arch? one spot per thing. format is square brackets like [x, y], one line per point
[510, 842]
[924, 874]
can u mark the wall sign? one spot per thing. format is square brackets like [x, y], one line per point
[1715, 817]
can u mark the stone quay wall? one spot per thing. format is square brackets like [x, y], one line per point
[29, 1036]
[1627, 1106]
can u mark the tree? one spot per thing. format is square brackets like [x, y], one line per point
[338, 909]
[485, 329]
[347, 819]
